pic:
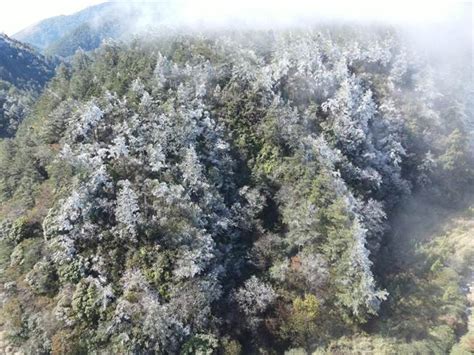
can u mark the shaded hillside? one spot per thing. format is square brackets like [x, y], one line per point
[22, 66]
[428, 268]
[23, 74]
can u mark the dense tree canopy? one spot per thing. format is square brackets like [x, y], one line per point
[223, 193]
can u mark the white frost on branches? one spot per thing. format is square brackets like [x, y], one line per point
[127, 211]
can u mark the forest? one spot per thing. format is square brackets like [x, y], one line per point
[297, 191]
[23, 74]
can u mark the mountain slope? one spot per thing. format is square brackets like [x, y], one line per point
[85, 36]
[63, 35]
[22, 66]
[23, 73]
[232, 193]
[47, 32]
[429, 268]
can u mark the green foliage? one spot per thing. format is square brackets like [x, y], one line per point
[202, 344]
[22, 228]
[231, 194]
[13, 320]
[155, 266]
[302, 326]
[85, 304]
[230, 347]
[26, 254]
[43, 278]
[85, 36]
[6, 248]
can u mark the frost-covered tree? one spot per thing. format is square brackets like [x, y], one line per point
[90, 117]
[127, 211]
[224, 191]
[255, 296]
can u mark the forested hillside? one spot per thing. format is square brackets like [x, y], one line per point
[86, 29]
[86, 37]
[49, 31]
[239, 193]
[23, 73]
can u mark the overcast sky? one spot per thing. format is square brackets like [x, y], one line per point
[15, 15]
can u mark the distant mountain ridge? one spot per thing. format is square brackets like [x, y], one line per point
[86, 29]
[48, 31]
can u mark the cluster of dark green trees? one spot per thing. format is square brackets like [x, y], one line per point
[224, 193]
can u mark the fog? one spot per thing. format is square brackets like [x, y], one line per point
[440, 31]
[264, 13]
[443, 29]
[267, 13]
[271, 13]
